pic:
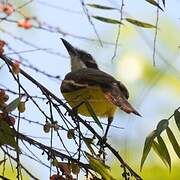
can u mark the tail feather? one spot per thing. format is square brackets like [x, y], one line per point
[126, 106]
[121, 102]
[129, 109]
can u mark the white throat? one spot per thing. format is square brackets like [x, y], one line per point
[76, 63]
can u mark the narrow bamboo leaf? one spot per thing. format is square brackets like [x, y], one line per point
[164, 151]
[93, 114]
[177, 118]
[6, 135]
[164, 3]
[162, 125]
[88, 142]
[140, 23]
[107, 20]
[13, 105]
[2, 161]
[99, 167]
[156, 147]
[173, 141]
[98, 6]
[147, 147]
[153, 2]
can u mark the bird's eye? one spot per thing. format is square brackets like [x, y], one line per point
[89, 56]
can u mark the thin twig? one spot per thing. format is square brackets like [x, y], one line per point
[25, 169]
[50, 150]
[90, 21]
[58, 7]
[19, 7]
[119, 30]
[57, 30]
[155, 36]
[18, 167]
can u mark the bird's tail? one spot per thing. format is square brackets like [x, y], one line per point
[120, 101]
[126, 106]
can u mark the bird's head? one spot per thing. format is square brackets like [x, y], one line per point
[79, 58]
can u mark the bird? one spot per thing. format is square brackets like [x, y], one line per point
[86, 82]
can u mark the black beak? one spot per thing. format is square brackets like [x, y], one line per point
[71, 50]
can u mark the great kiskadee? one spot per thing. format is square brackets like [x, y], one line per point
[87, 82]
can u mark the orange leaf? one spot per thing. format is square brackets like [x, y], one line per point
[24, 23]
[8, 9]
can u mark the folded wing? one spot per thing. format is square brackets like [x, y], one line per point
[115, 92]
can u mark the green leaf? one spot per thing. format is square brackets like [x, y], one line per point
[173, 141]
[140, 23]
[147, 147]
[107, 20]
[162, 125]
[6, 135]
[93, 114]
[99, 167]
[88, 142]
[157, 148]
[177, 118]
[13, 105]
[164, 151]
[153, 2]
[98, 6]
[3, 161]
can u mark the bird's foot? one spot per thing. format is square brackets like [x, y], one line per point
[102, 145]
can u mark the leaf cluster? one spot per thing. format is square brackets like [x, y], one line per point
[155, 141]
[130, 20]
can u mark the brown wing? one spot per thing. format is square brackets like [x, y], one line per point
[114, 91]
[86, 77]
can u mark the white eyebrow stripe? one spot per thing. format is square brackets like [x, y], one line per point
[75, 83]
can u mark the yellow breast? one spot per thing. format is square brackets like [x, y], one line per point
[101, 106]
